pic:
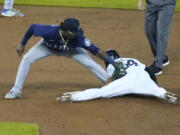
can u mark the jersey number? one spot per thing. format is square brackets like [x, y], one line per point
[130, 63]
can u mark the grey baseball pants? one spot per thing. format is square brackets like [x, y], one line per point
[158, 20]
[39, 52]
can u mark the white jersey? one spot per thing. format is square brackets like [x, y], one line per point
[136, 81]
[130, 64]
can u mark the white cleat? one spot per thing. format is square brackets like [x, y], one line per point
[64, 98]
[12, 94]
[11, 13]
[171, 98]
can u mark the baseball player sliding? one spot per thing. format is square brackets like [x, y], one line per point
[67, 40]
[138, 80]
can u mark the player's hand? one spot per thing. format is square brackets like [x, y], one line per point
[140, 5]
[20, 49]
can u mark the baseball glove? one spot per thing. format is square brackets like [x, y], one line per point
[119, 71]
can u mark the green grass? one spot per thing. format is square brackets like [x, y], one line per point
[115, 4]
[13, 128]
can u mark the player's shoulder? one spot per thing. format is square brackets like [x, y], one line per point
[84, 41]
[125, 60]
[44, 25]
[53, 26]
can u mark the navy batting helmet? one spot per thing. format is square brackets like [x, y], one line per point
[112, 53]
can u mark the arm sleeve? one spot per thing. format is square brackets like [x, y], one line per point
[33, 30]
[88, 45]
[93, 49]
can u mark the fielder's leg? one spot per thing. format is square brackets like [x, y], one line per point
[82, 57]
[36, 52]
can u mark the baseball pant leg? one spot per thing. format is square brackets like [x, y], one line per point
[144, 85]
[165, 15]
[128, 84]
[150, 27]
[36, 52]
[118, 87]
[81, 56]
[8, 4]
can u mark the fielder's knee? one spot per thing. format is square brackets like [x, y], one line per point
[27, 58]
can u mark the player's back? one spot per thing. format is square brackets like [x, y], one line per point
[131, 65]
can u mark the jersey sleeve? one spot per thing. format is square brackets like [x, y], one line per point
[33, 30]
[88, 45]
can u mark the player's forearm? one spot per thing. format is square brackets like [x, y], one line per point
[101, 54]
[27, 35]
[34, 30]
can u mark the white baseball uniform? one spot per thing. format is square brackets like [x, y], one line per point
[137, 81]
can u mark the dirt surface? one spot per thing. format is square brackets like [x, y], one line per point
[118, 29]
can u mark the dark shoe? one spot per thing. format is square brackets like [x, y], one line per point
[155, 70]
[165, 62]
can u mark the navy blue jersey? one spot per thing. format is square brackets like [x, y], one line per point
[50, 34]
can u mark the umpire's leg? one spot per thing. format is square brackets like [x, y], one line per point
[150, 26]
[165, 15]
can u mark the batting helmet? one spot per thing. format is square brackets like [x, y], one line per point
[112, 53]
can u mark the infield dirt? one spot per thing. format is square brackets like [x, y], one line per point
[118, 29]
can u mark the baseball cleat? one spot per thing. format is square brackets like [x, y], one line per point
[64, 98]
[165, 62]
[11, 13]
[155, 70]
[17, 12]
[12, 94]
[171, 98]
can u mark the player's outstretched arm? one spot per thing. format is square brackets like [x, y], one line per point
[102, 55]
